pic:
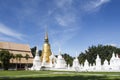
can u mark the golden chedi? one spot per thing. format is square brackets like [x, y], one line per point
[46, 51]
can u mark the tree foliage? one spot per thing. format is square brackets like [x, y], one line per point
[27, 57]
[68, 59]
[40, 52]
[5, 57]
[33, 51]
[82, 58]
[18, 58]
[104, 51]
[12, 57]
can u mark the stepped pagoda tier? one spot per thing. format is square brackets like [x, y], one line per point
[46, 51]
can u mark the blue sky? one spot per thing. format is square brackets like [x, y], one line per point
[73, 25]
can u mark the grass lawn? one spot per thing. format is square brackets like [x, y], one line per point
[58, 75]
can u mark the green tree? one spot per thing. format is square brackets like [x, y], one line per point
[81, 58]
[5, 57]
[33, 51]
[40, 52]
[16, 57]
[27, 57]
[19, 58]
[12, 57]
[104, 51]
[68, 59]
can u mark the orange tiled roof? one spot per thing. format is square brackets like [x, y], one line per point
[14, 46]
[17, 49]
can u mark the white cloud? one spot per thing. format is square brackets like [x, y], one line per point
[62, 37]
[115, 45]
[63, 3]
[93, 5]
[9, 32]
[65, 13]
[100, 2]
[66, 17]
[65, 20]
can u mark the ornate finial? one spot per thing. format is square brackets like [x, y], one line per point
[59, 51]
[76, 54]
[113, 54]
[117, 56]
[36, 50]
[98, 56]
[46, 36]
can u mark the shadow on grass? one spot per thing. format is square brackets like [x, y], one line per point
[62, 78]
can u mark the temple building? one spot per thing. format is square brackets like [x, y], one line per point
[16, 48]
[47, 59]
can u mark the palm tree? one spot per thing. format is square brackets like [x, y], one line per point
[19, 58]
[12, 57]
[27, 57]
[16, 56]
[5, 57]
[68, 59]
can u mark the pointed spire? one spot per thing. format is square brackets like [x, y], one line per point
[76, 55]
[37, 51]
[113, 55]
[46, 36]
[98, 56]
[59, 51]
[117, 56]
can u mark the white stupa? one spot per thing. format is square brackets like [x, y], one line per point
[86, 65]
[44, 60]
[115, 62]
[98, 63]
[113, 66]
[105, 66]
[49, 62]
[52, 60]
[118, 61]
[76, 63]
[36, 62]
[60, 62]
